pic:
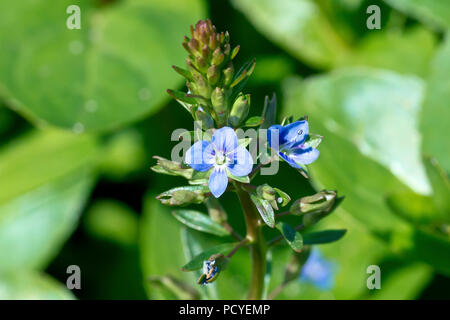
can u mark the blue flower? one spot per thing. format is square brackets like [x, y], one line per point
[318, 271]
[224, 155]
[290, 143]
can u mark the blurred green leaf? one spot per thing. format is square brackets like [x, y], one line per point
[299, 26]
[292, 237]
[123, 154]
[397, 50]
[34, 226]
[112, 220]
[27, 285]
[440, 184]
[114, 70]
[49, 176]
[435, 111]
[199, 221]
[197, 261]
[41, 157]
[416, 208]
[321, 237]
[433, 12]
[369, 119]
[265, 210]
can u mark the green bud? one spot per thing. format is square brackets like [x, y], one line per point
[213, 75]
[228, 74]
[217, 57]
[173, 168]
[219, 103]
[183, 196]
[317, 203]
[239, 111]
[202, 86]
[266, 192]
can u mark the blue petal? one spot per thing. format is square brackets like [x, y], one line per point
[289, 160]
[218, 182]
[200, 156]
[225, 139]
[274, 132]
[241, 162]
[304, 156]
[294, 133]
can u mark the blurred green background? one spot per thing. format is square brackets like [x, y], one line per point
[83, 111]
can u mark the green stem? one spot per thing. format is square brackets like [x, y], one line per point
[256, 243]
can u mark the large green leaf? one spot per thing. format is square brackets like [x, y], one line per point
[34, 226]
[41, 157]
[436, 111]
[47, 177]
[26, 285]
[434, 12]
[113, 70]
[299, 26]
[371, 148]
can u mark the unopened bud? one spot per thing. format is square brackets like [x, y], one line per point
[317, 203]
[183, 196]
[213, 74]
[171, 168]
[228, 74]
[266, 192]
[240, 109]
[219, 103]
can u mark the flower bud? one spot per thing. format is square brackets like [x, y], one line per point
[228, 74]
[183, 196]
[266, 192]
[240, 109]
[219, 103]
[317, 203]
[172, 168]
[213, 74]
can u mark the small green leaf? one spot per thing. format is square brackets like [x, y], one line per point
[253, 121]
[292, 237]
[182, 96]
[197, 262]
[264, 209]
[199, 221]
[321, 237]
